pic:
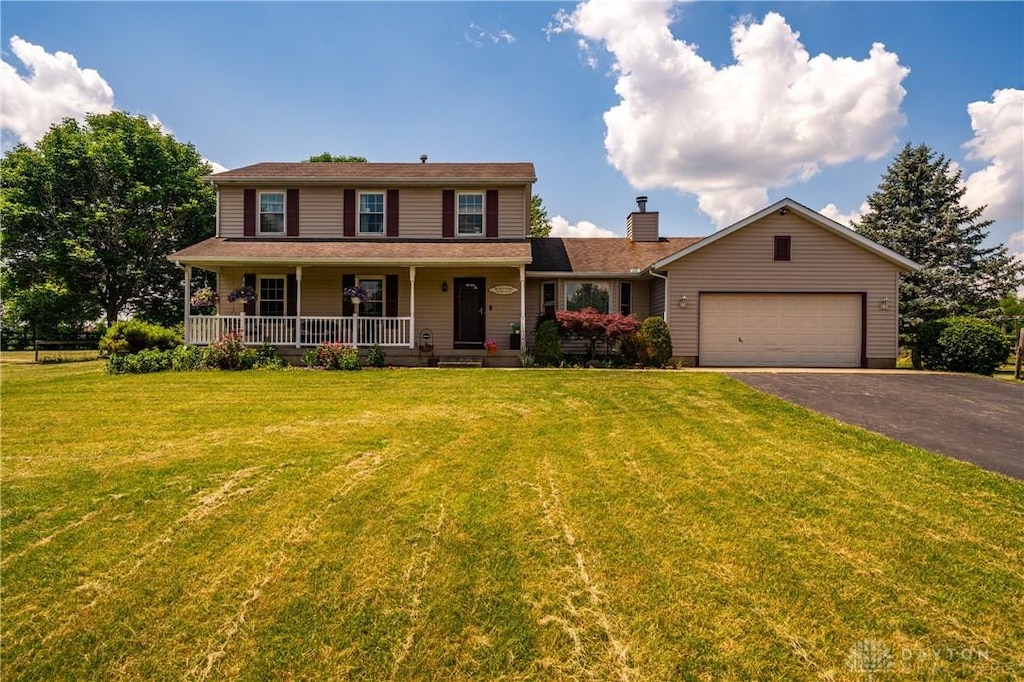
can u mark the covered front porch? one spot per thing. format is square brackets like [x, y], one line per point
[391, 332]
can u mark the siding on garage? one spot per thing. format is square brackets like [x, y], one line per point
[821, 262]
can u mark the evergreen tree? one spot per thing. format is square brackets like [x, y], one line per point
[917, 211]
[540, 224]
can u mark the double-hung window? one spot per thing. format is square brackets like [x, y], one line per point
[547, 299]
[470, 209]
[271, 296]
[625, 298]
[271, 212]
[371, 213]
[374, 307]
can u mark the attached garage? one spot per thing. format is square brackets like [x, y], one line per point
[781, 329]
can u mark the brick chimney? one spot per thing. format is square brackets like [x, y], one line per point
[642, 226]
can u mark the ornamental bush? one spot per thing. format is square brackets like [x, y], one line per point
[962, 344]
[547, 346]
[143, 362]
[658, 340]
[333, 356]
[376, 357]
[133, 336]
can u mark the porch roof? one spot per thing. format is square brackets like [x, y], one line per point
[224, 251]
[582, 256]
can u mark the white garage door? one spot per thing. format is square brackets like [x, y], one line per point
[780, 330]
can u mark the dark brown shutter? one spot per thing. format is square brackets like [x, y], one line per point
[391, 219]
[347, 309]
[249, 280]
[350, 213]
[492, 213]
[291, 290]
[292, 219]
[391, 296]
[448, 213]
[249, 213]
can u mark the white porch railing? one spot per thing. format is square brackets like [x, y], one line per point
[310, 331]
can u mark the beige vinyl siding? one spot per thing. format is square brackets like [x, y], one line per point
[419, 213]
[513, 213]
[320, 212]
[822, 262]
[231, 209]
[657, 297]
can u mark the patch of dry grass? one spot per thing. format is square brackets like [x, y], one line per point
[484, 525]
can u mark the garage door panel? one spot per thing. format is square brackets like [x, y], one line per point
[809, 330]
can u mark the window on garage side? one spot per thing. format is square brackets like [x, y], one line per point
[782, 247]
[580, 295]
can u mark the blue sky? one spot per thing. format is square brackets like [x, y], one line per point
[485, 81]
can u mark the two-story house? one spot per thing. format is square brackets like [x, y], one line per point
[441, 250]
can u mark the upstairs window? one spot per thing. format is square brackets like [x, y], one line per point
[271, 212]
[782, 247]
[371, 213]
[470, 214]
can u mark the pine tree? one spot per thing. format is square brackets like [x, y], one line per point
[917, 211]
[540, 224]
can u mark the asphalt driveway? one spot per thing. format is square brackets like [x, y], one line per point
[972, 418]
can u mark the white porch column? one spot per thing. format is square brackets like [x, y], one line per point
[298, 305]
[412, 306]
[522, 307]
[188, 304]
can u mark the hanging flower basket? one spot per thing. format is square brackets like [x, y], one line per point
[205, 300]
[244, 294]
[357, 294]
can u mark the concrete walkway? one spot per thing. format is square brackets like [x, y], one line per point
[977, 419]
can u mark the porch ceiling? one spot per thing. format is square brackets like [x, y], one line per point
[222, 251]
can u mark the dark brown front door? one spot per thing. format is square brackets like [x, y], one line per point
[470, 311]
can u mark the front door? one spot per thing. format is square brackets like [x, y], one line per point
[470, 312]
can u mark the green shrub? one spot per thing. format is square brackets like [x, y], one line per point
[962, 344]
[226, 352]
[634, 350]
[333, 356]
[658, 340]
[547, 345]
[143, 362]
[133, 336]
[376, 358]
[267, 357]
[190, 358]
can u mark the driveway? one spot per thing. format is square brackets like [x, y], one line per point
[973, 418]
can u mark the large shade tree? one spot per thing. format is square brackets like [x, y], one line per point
[918, 211]
[95, 208]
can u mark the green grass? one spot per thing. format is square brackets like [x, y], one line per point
[477, 524]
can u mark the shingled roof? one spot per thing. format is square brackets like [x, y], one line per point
[392, 172]
[338, 251]
[599, 255]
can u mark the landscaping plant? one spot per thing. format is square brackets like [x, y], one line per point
[133, 336]
[962, 344]
[547, 345]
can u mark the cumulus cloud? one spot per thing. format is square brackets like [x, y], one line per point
[478, 36]
[1015, 245]
[773, 117]
[844, 219]
[999, 139]
[560, 227]
[54, 88]
[217, 168]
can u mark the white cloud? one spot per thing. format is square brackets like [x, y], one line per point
[773, 117]
[1015, 245]
[999, 139]
[560, 227]
[844, 219]
[217, 168]
[478, 36]
[54, 88]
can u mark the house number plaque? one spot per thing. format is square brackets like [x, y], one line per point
[503, 290]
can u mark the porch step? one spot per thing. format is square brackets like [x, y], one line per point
[460, 362]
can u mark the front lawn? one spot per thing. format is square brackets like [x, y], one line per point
[485, 524]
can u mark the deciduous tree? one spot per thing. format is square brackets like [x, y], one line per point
[95, 208]
[327, 157]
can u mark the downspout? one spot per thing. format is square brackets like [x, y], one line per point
[666, 298]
